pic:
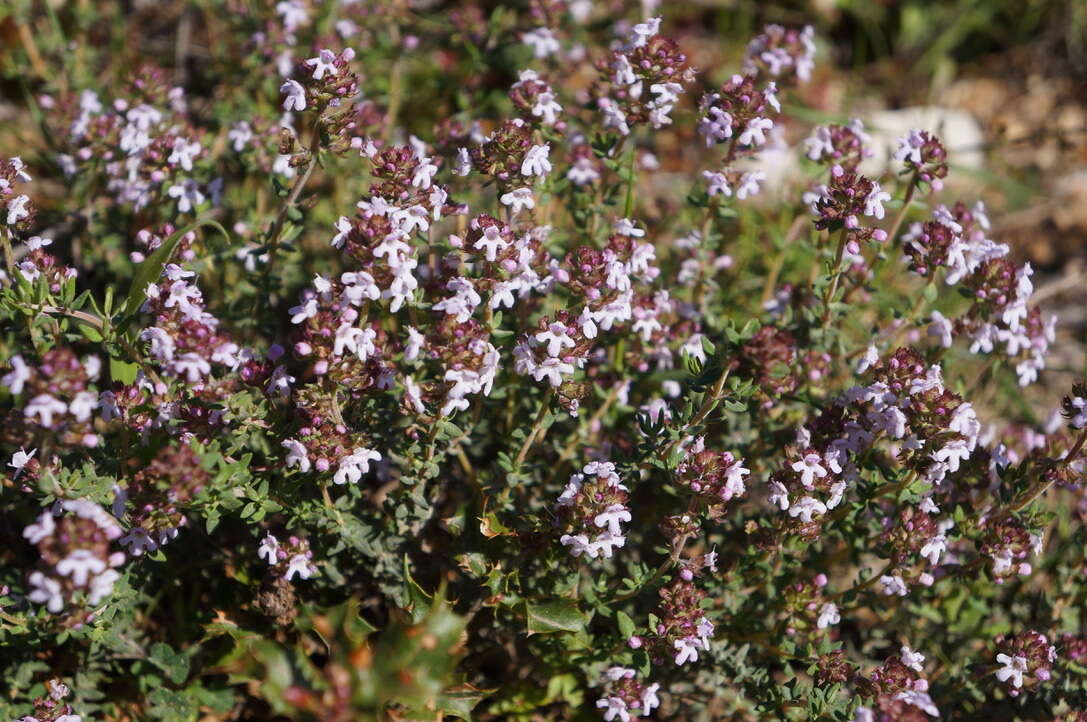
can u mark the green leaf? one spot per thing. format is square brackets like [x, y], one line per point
[560, 615]
[174, 664]
[122, 371]
[642, 663]
[170, 706]
[490, 526]
[91, 333]
[460, 701]
[419, 601]
[626, 624]
[150, 270]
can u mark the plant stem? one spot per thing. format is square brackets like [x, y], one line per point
[329, 504]
[861, 586]
[660, 570]
[628, 207]
[779, 262]
[292, 199]
[568, 452]
[595, 224]
[904, 209]
[430, 440]
[704, 230]
[101, 326]
[81, 315]
[668, 563]
[833, 287]
[1044, 487]
[537, 425]
[9, 256]
[396, 90]
[704, 410]
[673, 558]
[708, 404]
[289, 203]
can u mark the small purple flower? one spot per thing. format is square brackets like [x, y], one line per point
[296, 96]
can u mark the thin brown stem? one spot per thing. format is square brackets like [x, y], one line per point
[833, 287]
[291, 200]
[704, 231]
[9, 255]
[779, 262]
[568, 452]
[861, 586]
[708, 404]
[396, 88]
[901, 216]
[537, 426]
[1044, 486]
[101, 326]
[673, 558]
[329, 505]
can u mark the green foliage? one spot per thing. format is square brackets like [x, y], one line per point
[437, 583]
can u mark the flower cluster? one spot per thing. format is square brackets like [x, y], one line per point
[151, 150]
[900, 690]
[808, 486]
[923, 154]
[51, 707]
[534, 98]
[458, 316]
[781, 52]
[76, 567]
[58, 395]
[288, 560]
[158, 496]
[738, 114]
[956, 241]
[683, 629]
[845, 198]
[641, 82]
[627, 696]
[1026, 660]
[16, 211]
[185, 339]
[715, 477]
[844, 146]
[808, 610]
[593, 506]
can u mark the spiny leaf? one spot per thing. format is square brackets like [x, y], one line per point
[560, 615]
